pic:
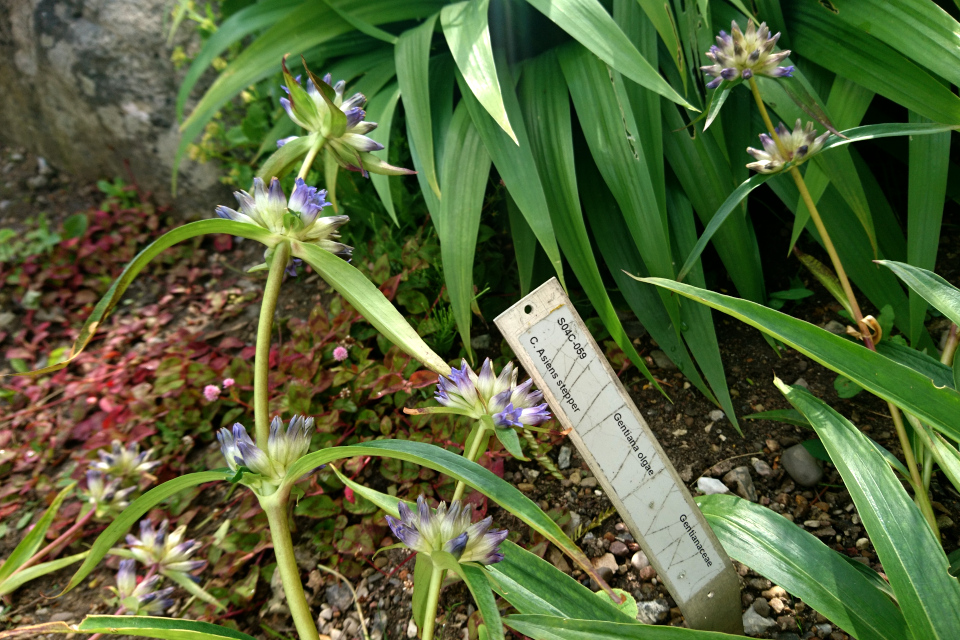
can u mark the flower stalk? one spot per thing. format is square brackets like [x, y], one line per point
[275, 507]
[920, 495]
[261, 370]
[433, 599]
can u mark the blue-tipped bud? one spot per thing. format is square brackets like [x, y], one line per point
[141, 599]
[167, 551]
[795, 147]
[105, 494]
[124, 462]
[284, 447]
[500, 397]
[745, 54]
[447, 530]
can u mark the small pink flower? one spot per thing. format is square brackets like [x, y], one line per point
[340, 354]
[228, 382]
[348, 492]
[211, 392]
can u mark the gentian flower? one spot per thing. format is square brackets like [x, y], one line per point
[297, 219]
[448, 530]
[334, 122]
[105, 493]
[167, 551]
[123, 463]
[797, 146]
[500, 397]
[283, 449]
[742, 55]
[141, 599]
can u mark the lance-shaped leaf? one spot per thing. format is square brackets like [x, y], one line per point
[137, 626]
[167, 240]
[880, 375]
[137, 509]
[803, 565]
[590, 25]
[364, 296]
[381, 110]
[286, 158]
[557, 628]
[826, 277]
[942, 295]
[21, 578]
[458, 468]
[468, 36]
[32, 541]
[912, 557]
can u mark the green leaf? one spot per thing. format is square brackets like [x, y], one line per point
[370, 302]
[826, 277]
[534, 586]
[476, 580]
[413, 74]
[163, 628]
[32, 541]
[845, 387]
[558, 628]
[942, 295]
[516, 166]
[919, 30]
[912, 557]
[75, 226]
[113, 295]
[192, 587]
[458, 468]
[468, 36]
[546, 112]
[881, 376]
[422, 573]
[137, 509]
[524, 243]
[465, 176]
[20, 578]
[929, 163]
[510, 441]
[818, 34]
[728, 207]
[381, 110]
[590, 25]
[362, 25]
[286, 158]
[929, 366]
[803, 565]
[717, 98]
[661, 17]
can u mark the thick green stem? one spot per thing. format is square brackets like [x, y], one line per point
[311, 156]
[950, 348]
[475, 452]
[433, 599]
[261, 366]
[276, 510]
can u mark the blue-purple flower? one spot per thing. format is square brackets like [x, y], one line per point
[165, 550]
[297, 219]
[742, 55]
[334, 122]
[448, 530]
[500, 397]
[795, 147]
[124, 462]
[106, 494]
[141, 599]
[284, 447]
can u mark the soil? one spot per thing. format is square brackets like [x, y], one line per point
[697, 443]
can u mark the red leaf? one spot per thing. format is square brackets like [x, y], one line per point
[232, 343]
[422, 378]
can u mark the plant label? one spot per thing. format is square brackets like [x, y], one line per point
[557, 350]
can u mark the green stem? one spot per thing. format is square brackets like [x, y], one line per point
[311, 156]
[950, 348]
[921, 497]
[433, 599]
[261, 365]
[475, 452]
[276, 509]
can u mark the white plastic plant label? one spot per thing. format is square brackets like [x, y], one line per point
[558, 352]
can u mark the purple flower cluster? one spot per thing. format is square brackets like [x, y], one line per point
[795, 146]
[144, 598]
[283, 448]
[448, 530]
[742, 55]
[509, 404]
[167, 551]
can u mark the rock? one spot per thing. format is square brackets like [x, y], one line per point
[326, 613]
[481, 342]
[350, 627]
[37, 182]
[774, 592]
[618, 548]
[802, 466]
[777, 605]
[92, 86]
[944, 521]
[563, 460]
[16, 157]
[835, 327]
[740, 481]
[588, 483]
[863, 543]
[773, 445]
[653, 611]
[526, 487]
[648, 573]
[761, 606]
[710, 486]
[787, 623]
[800, 382]
[762, 468]
[754, 624]
[605, 561]
[43, 169]
[339, 596]
[716, 415]
[662, 360]
[411, 629]
[824, 629]
[530, 474]
[639, 561]
[575, 478]
[64, 616]
[335, 634]
[557, 559]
